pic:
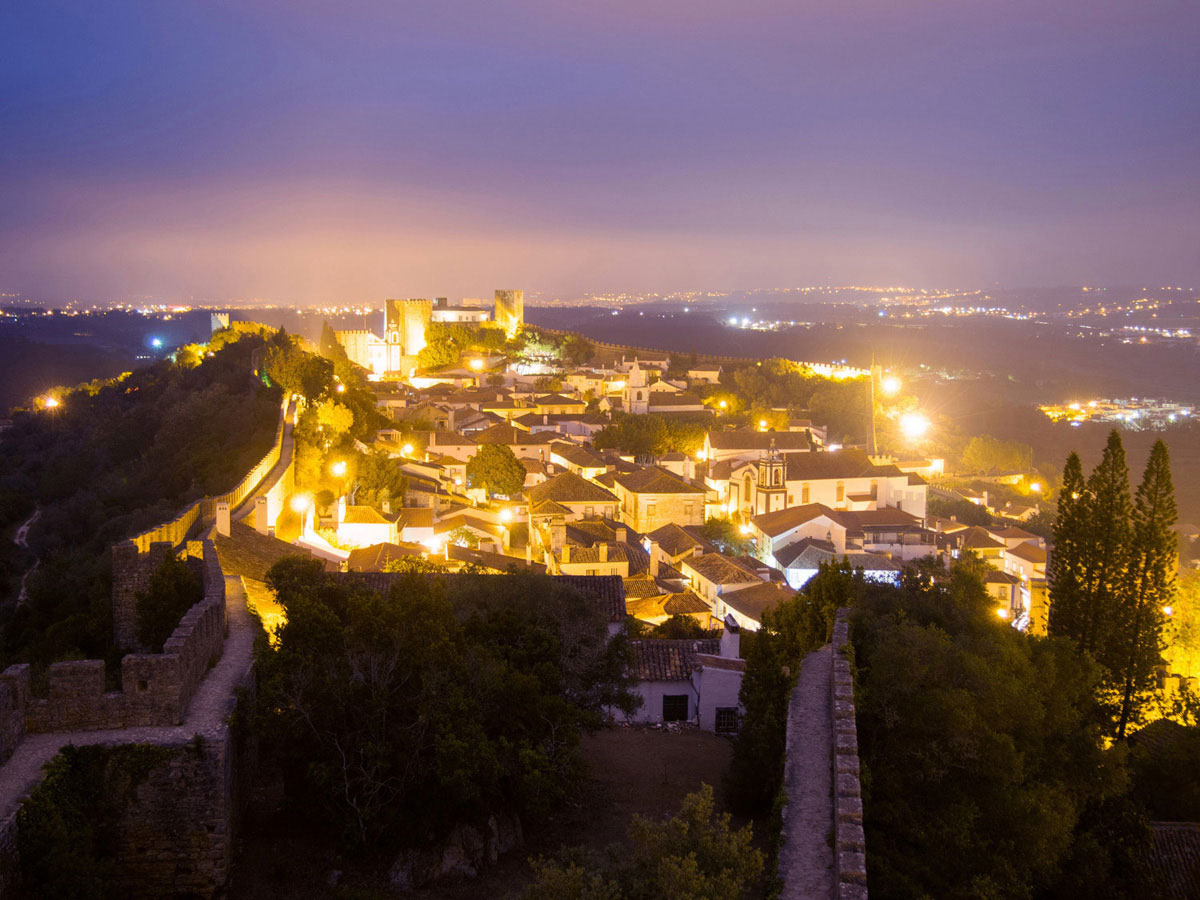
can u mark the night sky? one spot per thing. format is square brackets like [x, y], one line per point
[346, 151]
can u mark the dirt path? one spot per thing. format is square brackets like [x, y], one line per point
[806, 855]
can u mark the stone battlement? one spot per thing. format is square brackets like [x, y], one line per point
[850, 844]
[156, 688]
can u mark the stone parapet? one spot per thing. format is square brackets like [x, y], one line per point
[155, 688]
[850, 844]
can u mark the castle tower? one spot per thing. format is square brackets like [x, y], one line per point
[218, 320]
[772, 483]
[509, 312]
[404, 325]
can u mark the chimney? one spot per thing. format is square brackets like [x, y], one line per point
[260, 515]
[386, 505]
[697, 550]
[545, 419]
[566, 553]
[223, 519]
[603, 551]
[622, 534]
[654, 552]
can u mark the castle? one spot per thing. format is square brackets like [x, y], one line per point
[406, 321]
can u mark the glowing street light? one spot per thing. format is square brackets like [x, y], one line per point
[341, 388]
[1036, 487]
[506, 515]
[407, 449]
[1168, 610]
[1002, 613]
[50, 402]
[338, 469]
[724, 404]
[156, 343]
[914, 426]
[301, 502]
[890, 385]
[477, 364]
[762, 424]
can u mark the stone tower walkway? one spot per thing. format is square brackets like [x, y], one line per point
[207, 714]
[806, 863]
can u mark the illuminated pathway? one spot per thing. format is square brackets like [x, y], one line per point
[806, 864]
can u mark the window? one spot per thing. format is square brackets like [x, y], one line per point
[791, 499]
[651, 510]
[688, 508]
[675, 708]
[804, 493]
[589, 511]
[841, 491]
[726, 720]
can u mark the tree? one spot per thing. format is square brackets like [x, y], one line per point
[334, 419]
[496, 469]
[985, 455]
[1105, 544]
[726, 536]
[391, 716]
[379, 480]
[1150, 582]
[694, 854]
[173, 590]
[577, 350]
[295, 370]
[1064, 572]
[979, 740]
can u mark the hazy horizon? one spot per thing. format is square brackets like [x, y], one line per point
[290, 153]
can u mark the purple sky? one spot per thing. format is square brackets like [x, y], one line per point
[344, 151]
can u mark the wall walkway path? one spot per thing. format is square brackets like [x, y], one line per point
[207, 715]
[806, 864]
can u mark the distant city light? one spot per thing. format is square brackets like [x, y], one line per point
[914, 425]
[156, 343]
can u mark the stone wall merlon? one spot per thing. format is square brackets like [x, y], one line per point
[155, 687]
[850, 843]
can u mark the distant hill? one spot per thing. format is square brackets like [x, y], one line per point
[28, 368]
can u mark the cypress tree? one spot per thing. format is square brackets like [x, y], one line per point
[1064, 572]
[1105, 550]
[1150, 581]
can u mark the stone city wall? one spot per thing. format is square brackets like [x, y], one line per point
[174, 836]
[850, 847]
[156, 688]
[177, 530]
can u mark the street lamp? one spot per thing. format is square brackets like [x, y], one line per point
[50, 403]
[914, 426]
[890, 385]
[338, 469]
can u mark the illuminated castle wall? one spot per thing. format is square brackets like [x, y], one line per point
[509, 313]
[405, 323]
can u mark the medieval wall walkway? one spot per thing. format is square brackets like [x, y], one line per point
[287, 446]
[806, 855]
[211, 706]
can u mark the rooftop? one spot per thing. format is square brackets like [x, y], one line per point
[670, 660]
[653, 480]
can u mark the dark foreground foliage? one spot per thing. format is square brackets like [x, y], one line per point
[395, 717]
[114, 458]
